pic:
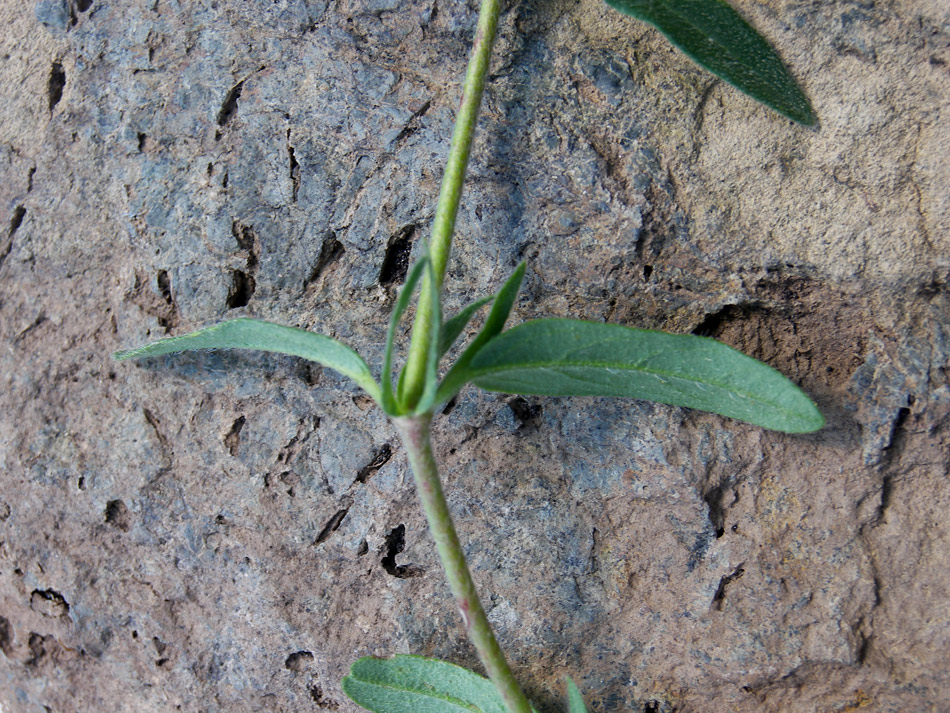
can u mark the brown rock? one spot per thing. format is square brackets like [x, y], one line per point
[206, 516]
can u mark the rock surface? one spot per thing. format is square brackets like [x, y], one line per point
[228, 532]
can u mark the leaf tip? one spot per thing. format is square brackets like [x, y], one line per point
[814, 421]
[807, 418]
[575, 701]
[810, 119]
[803, 113]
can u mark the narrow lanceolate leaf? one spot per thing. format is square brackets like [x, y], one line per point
[388, 401]
[716, 37]
[497, 316]
[452, 328]
[267, 337]
[575, 701]
[564, 357]
[413, 684]
[432, 358]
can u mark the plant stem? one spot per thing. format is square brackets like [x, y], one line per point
[415, 432]
[440, 242]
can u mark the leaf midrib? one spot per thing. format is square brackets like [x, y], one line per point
[482, 371]
[683, 17]
[442, 697]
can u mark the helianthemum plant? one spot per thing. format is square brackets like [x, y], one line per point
[561, 357]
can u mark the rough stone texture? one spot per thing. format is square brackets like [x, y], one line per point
[227, 532]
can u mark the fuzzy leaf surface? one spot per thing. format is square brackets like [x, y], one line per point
[575, 701]
[264, 336]
[413, 684]
[388, 401]
[497, 316]
[432, 358]
[565, 357]
[453, 328]
[716, 37]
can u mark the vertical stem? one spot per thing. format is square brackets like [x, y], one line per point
[440, 242]
[415, 429]
[416, 436]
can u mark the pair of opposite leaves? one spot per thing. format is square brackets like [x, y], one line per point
[550, 357]
[414, 684]
[571, 357]
[560, 357]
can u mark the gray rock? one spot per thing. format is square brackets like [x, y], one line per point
[229, 531]
[53, 14]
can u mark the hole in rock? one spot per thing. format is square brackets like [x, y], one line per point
[298, 661]
[379, 460]
[528, 414]
[450, 406]
[37, 644]
[395, 544]
[16, 220]
[56, 84]
[331, 250]
[118, 515]
[164, 286]
[318, 697]
[396, 263]
[241, 290]
[49, 602]
[333, 524]
[246, 239]
[723, 583]
[294, 169]
[6, 636]
[233, 438]
[714, 322]
[717, 513]
[230, 105]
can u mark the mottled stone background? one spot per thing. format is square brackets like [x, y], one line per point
[229, 531]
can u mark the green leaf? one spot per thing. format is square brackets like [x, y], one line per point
[388, 401]
[501, 307]
[413, 684]
[268, 337]
[427, 397]
[575, 701]
[716, 37]
[564, 357]
[452, 328]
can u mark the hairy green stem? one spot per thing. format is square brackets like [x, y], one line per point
[440, 242]
[416, 435]
[415, 430]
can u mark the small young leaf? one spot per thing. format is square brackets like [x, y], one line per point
[452, 328]
[716, 37]
[388, 401]
[565, 357]
[432, 358]
[268, 337]
[413, 684]
[494, 323]
[575, 701]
